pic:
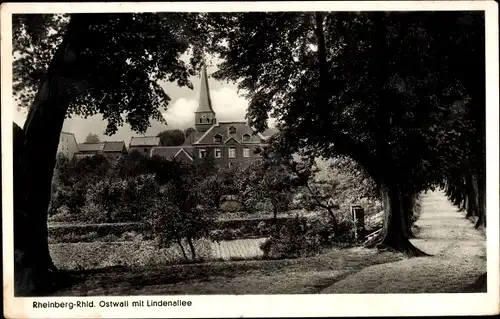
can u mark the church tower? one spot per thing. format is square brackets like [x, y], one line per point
[204, 116]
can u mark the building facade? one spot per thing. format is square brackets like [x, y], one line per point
[143, 144]
[112, 150]
[227, 143]
[67, 145]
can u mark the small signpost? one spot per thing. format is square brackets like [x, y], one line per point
[358, 217]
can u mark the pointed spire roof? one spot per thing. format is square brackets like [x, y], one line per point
[205, 103]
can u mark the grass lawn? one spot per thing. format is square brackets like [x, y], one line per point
[287, 276]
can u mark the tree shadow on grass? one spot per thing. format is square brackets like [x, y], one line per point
[479, 286]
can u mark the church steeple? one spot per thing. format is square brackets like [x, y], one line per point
[204, 116]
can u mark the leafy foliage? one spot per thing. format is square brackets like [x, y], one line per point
[306, 237]
[92, 138]
[187, 208]
[172, 137]
[261, 182]
[122, 59]
[376, 87]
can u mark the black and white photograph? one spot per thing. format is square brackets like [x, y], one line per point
[162, 159]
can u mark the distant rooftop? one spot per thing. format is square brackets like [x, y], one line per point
[106, 146]
[113, 146]
[90, 147]
[169, 151]
[145, 141]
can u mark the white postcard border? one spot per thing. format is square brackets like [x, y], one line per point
[260, 305]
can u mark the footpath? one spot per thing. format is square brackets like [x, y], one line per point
[458, 257]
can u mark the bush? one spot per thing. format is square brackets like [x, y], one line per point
[101, 229]
[307, 236]
[290, 241]
[230, 206]
[61, 215]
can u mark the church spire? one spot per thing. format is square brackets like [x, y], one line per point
[204, 116]
[205, 103]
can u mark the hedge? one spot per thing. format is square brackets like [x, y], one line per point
[101, 229]
[248, 227]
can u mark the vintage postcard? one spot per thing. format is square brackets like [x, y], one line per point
[250, 159]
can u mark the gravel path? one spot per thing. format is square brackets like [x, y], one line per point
[458, 256]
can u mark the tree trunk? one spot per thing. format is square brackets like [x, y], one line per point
[191, 246]
[472, 195]
[465, 202]
[481, 220]
[179, 242]
[406, 209]
[34, 270]
[394, 231]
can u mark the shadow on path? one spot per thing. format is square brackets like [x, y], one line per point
[459, 257]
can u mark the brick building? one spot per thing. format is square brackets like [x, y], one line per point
[112, 150]
[226, 143]
[67, 145]
[143, 144]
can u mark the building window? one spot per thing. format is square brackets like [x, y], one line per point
[218, 153]
[232, 152]
[203, 153]
[208, 120]
[232, 130]
[245, 138]
[246, 152]
[217, 138]
[145, 150]
[201, 120]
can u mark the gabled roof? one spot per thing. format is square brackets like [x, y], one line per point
[205, 103]
[114, 146]
[144, 141]
[231, 138]
[183, 151]
[90, 147]
[192, 138]
[222, 128]
[107, 146]
[169, 152]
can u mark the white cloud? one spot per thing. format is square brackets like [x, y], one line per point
[226, 102]
[181, 113]
[229, 105]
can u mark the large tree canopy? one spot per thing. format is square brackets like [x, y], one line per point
[400, 93]
[172, 137]
[376, 87]
[86, 64]
[121, 59]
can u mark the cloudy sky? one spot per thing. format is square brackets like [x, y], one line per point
[227, 103]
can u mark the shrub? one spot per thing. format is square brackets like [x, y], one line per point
[100, 229]
[230, 206]
[290, 241]
[61, 215]
[307, 236]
